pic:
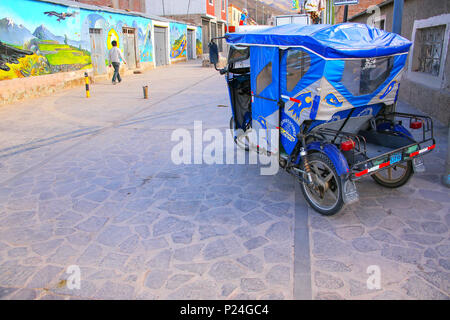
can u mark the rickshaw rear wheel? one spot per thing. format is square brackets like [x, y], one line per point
[240, 145]
[324, 195]
[394, 177]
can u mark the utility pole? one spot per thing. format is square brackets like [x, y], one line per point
[345, 13]
[164, 11]
[398, 13]
[263, 23]
[256, 11]
[227, 15]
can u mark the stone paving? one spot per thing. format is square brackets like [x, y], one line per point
[404, 231]
[90, 183]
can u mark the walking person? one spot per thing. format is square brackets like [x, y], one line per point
[114, 59]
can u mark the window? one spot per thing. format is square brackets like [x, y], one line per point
[264, 78]
[95, 30]
[428, 53]
[238, 54]
[364, 76]
[210, 2]
[223, 5]
[297, 64]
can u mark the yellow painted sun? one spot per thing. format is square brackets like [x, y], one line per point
[112, 35]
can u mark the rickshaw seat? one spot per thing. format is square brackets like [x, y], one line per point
[360, 118]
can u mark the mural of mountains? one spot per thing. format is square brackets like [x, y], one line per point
[13, 33]
[43, 33]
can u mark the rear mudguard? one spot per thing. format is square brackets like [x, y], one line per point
[332, 152]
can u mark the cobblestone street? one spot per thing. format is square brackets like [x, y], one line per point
[90, 182]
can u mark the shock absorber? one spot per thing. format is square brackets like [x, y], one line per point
[306, 167]
[304, 157]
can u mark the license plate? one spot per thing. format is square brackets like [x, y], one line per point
[396, 158]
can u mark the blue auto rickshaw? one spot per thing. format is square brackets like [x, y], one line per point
[331, 92]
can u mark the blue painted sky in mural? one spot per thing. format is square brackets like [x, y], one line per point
[31, 15]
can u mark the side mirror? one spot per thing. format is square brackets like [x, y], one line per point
[213, 53]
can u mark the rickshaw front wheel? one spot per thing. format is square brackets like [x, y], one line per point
[394, 177]
[325, 193]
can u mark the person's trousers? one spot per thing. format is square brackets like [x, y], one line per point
[116, 75]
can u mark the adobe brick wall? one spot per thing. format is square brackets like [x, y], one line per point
[354, 9]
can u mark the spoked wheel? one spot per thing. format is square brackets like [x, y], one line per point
[241, 144]
[396, 176]
[324, 194]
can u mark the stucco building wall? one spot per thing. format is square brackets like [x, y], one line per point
[420, 90]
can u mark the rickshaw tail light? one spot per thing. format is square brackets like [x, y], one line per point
[415, 124]
[347, 145]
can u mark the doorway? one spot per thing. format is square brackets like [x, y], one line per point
[213, 30]
[129, 47]
[161, 54]
[190, 44]
[205, 34]
[220, 34]
[97, 50]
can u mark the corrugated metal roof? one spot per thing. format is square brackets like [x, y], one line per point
[109, 9]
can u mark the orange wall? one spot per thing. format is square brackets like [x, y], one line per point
[210, 8]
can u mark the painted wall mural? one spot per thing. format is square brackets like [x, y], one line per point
[111, 26]
[47, 32]
[198, 42]
[178, 34]
[38, 38]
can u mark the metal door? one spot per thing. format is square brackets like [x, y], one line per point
[161, 46]
[213, 30]
[190, 44]
[97, 51]
[220, 34]
[205, 34]
[129, 47]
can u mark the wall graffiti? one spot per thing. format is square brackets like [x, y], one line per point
[198, 42]
[47, 32]
[38, 38]
[178, 33]
[112, 24]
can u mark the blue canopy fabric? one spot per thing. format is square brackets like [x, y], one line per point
[341, 41]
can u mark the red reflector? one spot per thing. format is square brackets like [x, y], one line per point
[347, 145]
[359, 174]
[415, 124]
[231, 29]
[386, 164]
[432, 147]
[414, 154]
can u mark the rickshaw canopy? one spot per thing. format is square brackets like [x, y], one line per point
[341, 41]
